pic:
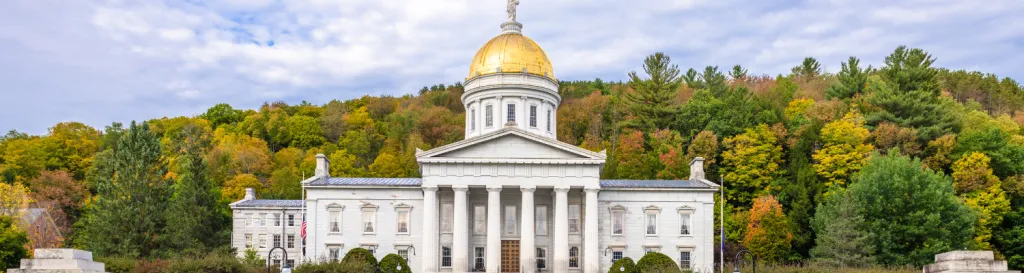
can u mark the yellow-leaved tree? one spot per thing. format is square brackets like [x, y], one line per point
[844, 150]
[751, 161]
[982, 192]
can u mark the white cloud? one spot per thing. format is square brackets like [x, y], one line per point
[99, 61]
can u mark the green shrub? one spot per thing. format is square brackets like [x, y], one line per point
[392, 261]
[626, 263]
[209, 264]
[655, 262]
[118, 264]
[360, 257]
[327, 267]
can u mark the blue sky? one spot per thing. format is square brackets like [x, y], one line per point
[103, 61]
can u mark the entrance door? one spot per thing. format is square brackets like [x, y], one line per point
[510, 256]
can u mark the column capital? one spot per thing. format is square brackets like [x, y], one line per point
[592, 190]
[429, 188]
[561, 189]
[528, 188]
[462, 188]
[494, 188]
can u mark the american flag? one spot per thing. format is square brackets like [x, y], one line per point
[302, 232]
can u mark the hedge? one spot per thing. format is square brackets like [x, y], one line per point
[626, 263]
[390, 262]
[655, 262]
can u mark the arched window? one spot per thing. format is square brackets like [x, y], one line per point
[574, 257]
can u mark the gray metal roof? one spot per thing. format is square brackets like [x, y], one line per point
[259, 203]
[693, 184]
[366, 181]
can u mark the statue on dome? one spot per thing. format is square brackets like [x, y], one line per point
[511, 9]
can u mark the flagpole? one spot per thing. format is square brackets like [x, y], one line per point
[721, 221]
[302, 226]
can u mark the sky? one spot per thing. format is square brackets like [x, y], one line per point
[99, 61]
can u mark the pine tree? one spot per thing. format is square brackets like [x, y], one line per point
[128, 215]
[852, 80]
[907, 94]
[841, 240]
[810, 67]
[651, 101]
[194, 222]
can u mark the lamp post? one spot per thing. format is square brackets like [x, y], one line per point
[284, 258]
[736, 261]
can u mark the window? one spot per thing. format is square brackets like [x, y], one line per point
[335, 221]
[291, 241]
[371, 248]
[290, 263]
[510, 220]
[277, 219]
[541, 220]
[277, 240]
[549, 120]
[404, 253]
[479, 219]
[618, 222]
[574, 257]
[248, 240]
[478, 258]
[684, 260]
[616, 255]
[263, 241]
[472, 120]
[248, 220]
[684, 224]
[533, 116]
[403, 221]
[652, 222]
[574, 218]
[542, 261]
[446, 256]
[447, 210]
[333, 252]
[511, 112]
[276, 263]
[489, 116]
[369, 221]
[291, 220]
[263, 219]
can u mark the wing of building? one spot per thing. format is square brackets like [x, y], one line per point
[507, 198]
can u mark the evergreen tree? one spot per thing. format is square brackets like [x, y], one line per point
[738, 72]
[195, 224]
[911, 212]
[810, 67]
[128, 214]
[714, 81]
[841, 241]
[909, 95]
[852, 80]
[651, 101]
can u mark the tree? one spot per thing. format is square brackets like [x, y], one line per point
[234, 189]
[650, 103]
[705, 145]
[343, 164]
[844, 151]
[128, 215]
[1009, 237]
[303, 132]
[359, 258]
[852, 80]
[62, 195]
[887, 136]
[907, 94]
[938, 151]
[991, 206]
[738, 72]
[387, 165]
[14, 199]
[71, 146]
[841, 241]
[195, 224]
[391, 262]
[12, 243]
[911, 70]
[810, 67]
[221, 114]
[667, 146]
[629, 156]
[911, 212]
[972, 173]
[750, 162]
[767, 234]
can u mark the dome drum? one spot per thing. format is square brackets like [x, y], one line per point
[521, 81]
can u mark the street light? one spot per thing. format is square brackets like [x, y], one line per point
[736, 261]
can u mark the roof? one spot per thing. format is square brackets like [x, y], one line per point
[510, 130]
[686, 184]
[31, 215]
[261, 203]
[366, 181]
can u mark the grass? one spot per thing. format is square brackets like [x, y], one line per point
[819, 268]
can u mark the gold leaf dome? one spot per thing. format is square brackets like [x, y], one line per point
[511, 53]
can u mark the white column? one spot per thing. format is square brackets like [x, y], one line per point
[526, 232]
[430, 243]
[591, 262]
[460, 242]
[493, 229]
[561, 236]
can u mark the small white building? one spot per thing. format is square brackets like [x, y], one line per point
[508, 198]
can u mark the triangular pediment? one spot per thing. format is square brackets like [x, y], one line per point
[510, 144]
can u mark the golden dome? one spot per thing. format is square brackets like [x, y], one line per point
[511, 53]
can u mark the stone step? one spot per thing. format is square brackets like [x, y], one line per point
[966, 266]
[61, 264]
[965, 255]
[62, 253]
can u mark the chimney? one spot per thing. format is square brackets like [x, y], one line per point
[322, 166]
[250, 194]
[697, 168]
